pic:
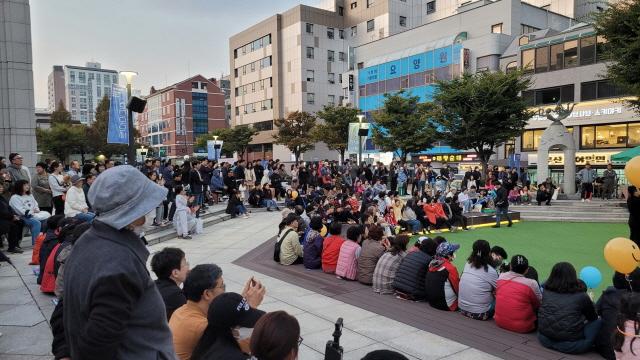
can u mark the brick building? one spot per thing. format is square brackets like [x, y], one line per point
[176, 115]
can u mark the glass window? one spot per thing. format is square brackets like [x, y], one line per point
[330, 33]
[311, 98]
[403, 21]
[528, 59]
[331, 78]
[588, 50]
[362, 90]
[634, 134]
[354, 4]
[393, 85]
[309, 53]
[309, 28]
[369, 3]
[496, 29]
[82, 77]
[354, 31]
[607, 89]
[341, 34]
[542, 59]
[547, 96]
[600, 48]
[372, 89]
[524, 40]
[310, 76]
[431, 7]
[571, 53]
[567, 93]
[342, 56]
[340, 10]
[331, 55]
[588, 91]
[371, 25]
[512, 66]
[509, 148]
[531, 139]
[331, 100]
[556, 57]
[612, 135]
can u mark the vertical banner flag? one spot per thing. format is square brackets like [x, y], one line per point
[118, 131]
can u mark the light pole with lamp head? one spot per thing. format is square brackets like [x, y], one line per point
[360, 119]
[131, 151]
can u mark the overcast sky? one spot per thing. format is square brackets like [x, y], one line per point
[165, 41]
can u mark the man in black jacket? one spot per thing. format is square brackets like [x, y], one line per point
[171, 268]
[502, 204]
[196, 183]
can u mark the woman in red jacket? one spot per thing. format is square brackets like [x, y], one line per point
[331, 248]
[517, 298]
[435, 214]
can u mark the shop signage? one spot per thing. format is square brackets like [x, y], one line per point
[581, 158]
[457, 158]
[586, 113]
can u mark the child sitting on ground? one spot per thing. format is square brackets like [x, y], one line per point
[185, 220]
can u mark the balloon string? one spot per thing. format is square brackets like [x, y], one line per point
[628, 278]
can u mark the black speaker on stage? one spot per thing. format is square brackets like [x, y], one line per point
[363, 132]
[136, 104]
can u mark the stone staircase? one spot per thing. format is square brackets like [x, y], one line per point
[614, 211]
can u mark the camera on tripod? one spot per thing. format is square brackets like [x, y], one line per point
[334, 351]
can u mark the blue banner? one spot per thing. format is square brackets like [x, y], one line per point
[118, 131]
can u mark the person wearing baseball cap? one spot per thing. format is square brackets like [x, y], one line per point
[442, 280]
[230, 323]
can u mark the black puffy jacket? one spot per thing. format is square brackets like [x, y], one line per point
[411, 273]
[607, 307]
[562, 316]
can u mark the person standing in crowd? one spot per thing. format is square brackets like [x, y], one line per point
[166, 171]
[633, 205]
[502, 205]
[26, 207]
[75, 205]
[610, 178]
[171, 267]
[112, 309]
[74, 168]
[196, 183]
[478, 283]
[10, 225]
[41, 189]
[58, 187]
[16, 169]
[517, 298]
[442, 280]
[567, 319]
[276, 336]
[586, 176]
[388, 264]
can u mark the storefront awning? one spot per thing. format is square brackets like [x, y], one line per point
[626, 155]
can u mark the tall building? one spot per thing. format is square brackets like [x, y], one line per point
[225, 86]
[176, 115]
[17, 110]
[80, 88]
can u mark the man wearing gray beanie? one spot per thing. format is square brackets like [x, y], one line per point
[112, 308]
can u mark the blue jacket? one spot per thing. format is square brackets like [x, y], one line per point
[216, 180]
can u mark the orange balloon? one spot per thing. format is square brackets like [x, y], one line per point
[323, 231]
[632, 171]
[623, 255]
[294, 194]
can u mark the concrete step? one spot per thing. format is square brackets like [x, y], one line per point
[568, 209]
[568, 218]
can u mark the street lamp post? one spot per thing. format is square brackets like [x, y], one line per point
[360, 118]
[215, 147]
[131, 151]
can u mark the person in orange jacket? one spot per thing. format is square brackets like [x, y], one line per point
[435, 214]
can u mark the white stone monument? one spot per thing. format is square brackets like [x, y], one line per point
[557, 137]
[17, 110]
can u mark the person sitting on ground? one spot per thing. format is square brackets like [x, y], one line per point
[231, 319]
[409, 218]
[372, 249]
[26, 207]
[498, 257]
[203, 284]
[49, 251]
[10, 224]
[409, 280]
[75, 203]
[184, 219]
[514, 196]
[235, 207]
[625, 341]
[276, 336]
[347, 267]
[543, 195]
[387, 266]
[567, 319]
[291, 251]
[331, 248]
[442, 280]
[608, 307]
[478, 283]
[312, 249]
[171, 268]
[54, 226]
[517, 298]
[435, 214]
[267, 199]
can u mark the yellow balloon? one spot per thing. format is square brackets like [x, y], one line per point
[632, 171]
[323, 231]
[623, 255]
[294, 195]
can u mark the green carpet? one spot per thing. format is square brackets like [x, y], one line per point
[546, 243]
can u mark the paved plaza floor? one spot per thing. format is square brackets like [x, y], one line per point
[24, 310]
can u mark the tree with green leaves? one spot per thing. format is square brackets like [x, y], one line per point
[61, 115]
[335, 129]
[481, 111]
[619, 24]
[97, 132]
[235, 140]
[402, 125]
[62, 140]
[296, 132]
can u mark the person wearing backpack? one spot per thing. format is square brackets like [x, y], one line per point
[288, 250]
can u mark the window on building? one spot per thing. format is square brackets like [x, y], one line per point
[263, 125]
[525, 29]
[340, 78]
[342, 56]
[524, 40]
[588, 50]
[556, 58]
[528, 60]
[509, 148]
[611, 136]
[403, 21]
[431, 7]
[601, 89]
[332, 78]
[370, 3]
[571, 53]
[194, 85]
[72, 76]
[309, 53]
[354, 5]
[340, 11]
[531, 139]
[82, 77]
[311, 98]
[496, 28]
[354, 31]
[107, 79]
[512, 66]
[600, 51]
[331, 101]
[331, 55]
[330, 33]
[633, 134]
[553, 95]
[341, 34]
[371, 25]
[310, 76]
[542, 59]
[309, 28]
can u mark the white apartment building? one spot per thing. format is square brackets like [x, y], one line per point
[80, 89]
